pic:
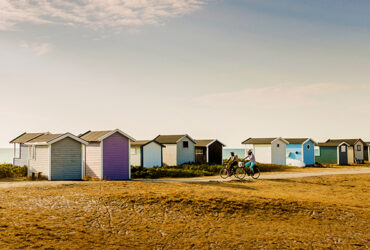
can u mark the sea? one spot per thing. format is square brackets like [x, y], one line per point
[238, 151]
[6, 155]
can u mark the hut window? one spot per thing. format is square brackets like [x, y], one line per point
[278, 145]
[308, 147]
[185, 144]
[358, 147]
[343, 149]
[317, 151]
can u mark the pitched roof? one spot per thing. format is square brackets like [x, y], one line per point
[331, 143]
[25, 137]
[205, 142]
[139, 143]
[299, 140]
[45, 138]
[171, 139]
[94, 136]
[262, 140]
[98, 136]
[351, 142]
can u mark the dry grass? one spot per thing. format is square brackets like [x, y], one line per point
[301, 213]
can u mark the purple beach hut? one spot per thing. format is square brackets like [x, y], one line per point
[107, 156]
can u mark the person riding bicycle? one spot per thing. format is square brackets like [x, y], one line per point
[251, 160]
[232, 161]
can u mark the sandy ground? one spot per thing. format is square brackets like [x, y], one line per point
[264, 176]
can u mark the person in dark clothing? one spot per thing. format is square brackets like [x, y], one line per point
[232, 161]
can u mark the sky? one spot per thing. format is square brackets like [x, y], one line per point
[225, 69]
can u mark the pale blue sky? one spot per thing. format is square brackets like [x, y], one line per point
[212, 69]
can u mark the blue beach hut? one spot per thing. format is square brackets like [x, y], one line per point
[300, 151]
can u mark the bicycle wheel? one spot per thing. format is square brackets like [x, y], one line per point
[257, 173]
[240, 173]
[224, 173]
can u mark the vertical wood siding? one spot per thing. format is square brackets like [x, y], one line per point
[135, 157]
[278, 153]
[262, 153]
[170, 154]
[41, 163]
[23, 158]
[351, 155]
[66, 160]
[215, 153]
[185, 155]
[359, 154]
[93, 160]
[116, 157]
[152, 155]
[309, 153]
[328, 155]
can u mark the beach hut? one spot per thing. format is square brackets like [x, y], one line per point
[208, 151]
[355, 149]
[268, 150]
[179, 149]
[56, 156]
[333, 152]
[147, 153]
[367, 151]
[21, 157]
[107, 155]
[300, 151]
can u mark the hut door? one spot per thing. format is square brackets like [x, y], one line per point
[200, 155]
[343, 155]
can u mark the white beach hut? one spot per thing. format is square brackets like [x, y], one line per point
[268, 150]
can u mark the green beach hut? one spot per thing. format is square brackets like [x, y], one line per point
[332, 152]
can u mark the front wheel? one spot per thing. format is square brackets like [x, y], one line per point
[257, 173]
[240, 173]
[224, 173]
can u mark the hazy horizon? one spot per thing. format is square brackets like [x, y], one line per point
[209, 68]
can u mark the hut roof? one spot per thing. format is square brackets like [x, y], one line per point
[25, 137]
[299, 140]
[45, 138]
[171, 139]
[351, 142]
[262, 140]
[98, 136]
[206, 142]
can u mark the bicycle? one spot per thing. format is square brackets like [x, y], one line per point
[255, 174]
[228, 171]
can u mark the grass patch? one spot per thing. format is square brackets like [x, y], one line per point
[10, 171]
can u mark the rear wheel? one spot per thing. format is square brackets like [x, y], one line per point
[257, 173]
[224, 173]
[240, 173]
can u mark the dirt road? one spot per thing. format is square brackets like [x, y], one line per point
[274, 175]
[264, 176]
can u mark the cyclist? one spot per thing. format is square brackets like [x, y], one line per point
[232, 161]
[252, 160]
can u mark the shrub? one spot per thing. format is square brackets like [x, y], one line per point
[186, 170]
[10, 171]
